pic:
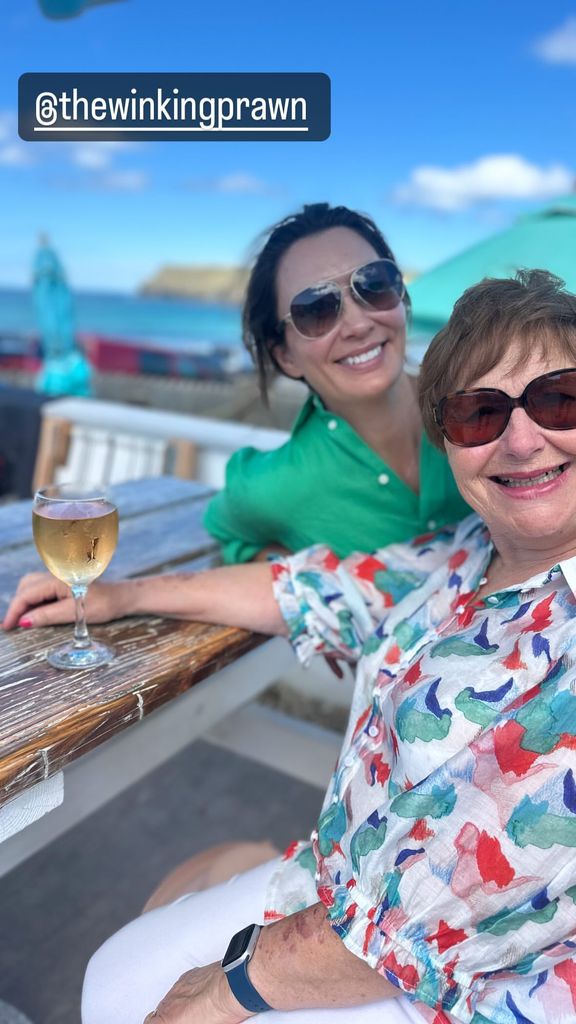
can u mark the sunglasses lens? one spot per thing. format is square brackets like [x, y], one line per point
[379, 284]
[551, 400]
[474, 419]
[478, 417]
[315, 310]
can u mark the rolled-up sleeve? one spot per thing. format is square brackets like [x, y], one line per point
[332, 605]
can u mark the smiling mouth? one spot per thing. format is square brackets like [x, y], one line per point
[364, 357]
[531, 481]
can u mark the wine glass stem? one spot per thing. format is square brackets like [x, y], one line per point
[81, 637]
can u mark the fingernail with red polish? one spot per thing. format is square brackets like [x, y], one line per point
[25, 623]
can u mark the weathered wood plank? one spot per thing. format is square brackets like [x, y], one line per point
[48, 718]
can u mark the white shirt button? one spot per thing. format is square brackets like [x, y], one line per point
[482, 581]
[383, 478]
[332, 424]
[373, 730]
[492, 599]
[432, 524]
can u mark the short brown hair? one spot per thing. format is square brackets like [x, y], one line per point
[531, 308]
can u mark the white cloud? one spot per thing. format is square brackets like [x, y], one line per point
[13, 152]
[488, 179]
[7, 122]
[95, 156]
[246, 183]
[559, 46]
[237, 184]
[124, 181]
[97, 159]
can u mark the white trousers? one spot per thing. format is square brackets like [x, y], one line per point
[129, 975]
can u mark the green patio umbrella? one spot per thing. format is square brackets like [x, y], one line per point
[545, 239]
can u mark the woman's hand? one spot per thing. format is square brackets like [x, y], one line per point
[233, 595]
[201, 996]
[42, 600]
[299, 963]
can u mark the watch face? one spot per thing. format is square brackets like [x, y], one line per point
[238, 945]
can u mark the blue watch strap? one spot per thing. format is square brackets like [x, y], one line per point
[244, 990]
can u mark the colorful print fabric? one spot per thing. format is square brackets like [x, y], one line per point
[446, 848]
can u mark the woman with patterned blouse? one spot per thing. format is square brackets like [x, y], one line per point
[440, 883]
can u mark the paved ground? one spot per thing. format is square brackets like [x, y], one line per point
[58, 906]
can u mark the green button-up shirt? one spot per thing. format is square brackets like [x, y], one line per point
[326, 485]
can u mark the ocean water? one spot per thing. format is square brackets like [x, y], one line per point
[174, 323]
[177, 324]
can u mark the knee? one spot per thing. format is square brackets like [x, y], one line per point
[97, 990]
[209, 868]
[128, 976]
[110, 991]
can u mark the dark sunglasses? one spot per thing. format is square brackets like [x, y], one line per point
[317, 309]
[480, 415]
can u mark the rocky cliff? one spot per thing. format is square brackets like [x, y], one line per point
[211, 284]
[207, 283]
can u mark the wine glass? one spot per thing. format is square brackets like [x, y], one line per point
[75, 531]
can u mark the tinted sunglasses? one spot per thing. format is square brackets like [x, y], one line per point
[316, 310]
[480, 415]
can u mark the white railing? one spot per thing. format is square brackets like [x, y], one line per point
[214, 440]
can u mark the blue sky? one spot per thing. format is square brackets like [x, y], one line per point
[448, 120]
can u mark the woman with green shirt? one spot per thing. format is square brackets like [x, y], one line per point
[326, 304]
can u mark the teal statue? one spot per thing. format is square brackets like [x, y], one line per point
[65, 369]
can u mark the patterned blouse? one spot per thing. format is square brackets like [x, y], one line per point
[445, 850]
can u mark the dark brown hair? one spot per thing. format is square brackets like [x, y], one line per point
[261, 331]
[532, 309]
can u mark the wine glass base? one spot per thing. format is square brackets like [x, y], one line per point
[71, 657]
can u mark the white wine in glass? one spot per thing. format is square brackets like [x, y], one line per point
[76, 531]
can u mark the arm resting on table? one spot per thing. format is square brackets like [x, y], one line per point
[236, 595]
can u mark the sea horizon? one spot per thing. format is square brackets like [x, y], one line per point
[178, 324]
[128, 316]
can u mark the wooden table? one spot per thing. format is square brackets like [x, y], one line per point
[190, 675]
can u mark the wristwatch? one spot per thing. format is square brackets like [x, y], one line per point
[235, 965]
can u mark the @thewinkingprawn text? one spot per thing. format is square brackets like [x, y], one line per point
[174, 106]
